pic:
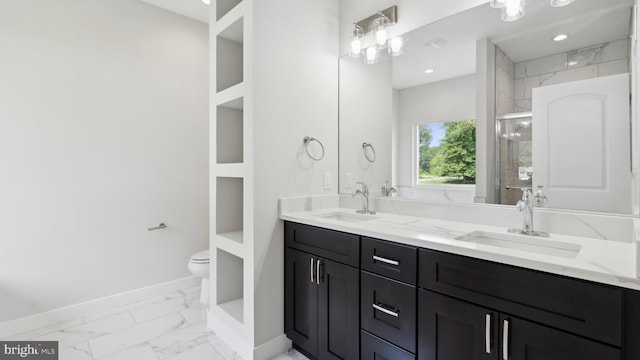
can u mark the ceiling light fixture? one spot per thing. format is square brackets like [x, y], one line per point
[377, 25]
[560, 3]
[497, 3]
[429, 71]
[560, 37]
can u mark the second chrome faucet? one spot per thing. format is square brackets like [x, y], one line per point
[364, 194]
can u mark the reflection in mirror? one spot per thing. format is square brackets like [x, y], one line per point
[539, 110]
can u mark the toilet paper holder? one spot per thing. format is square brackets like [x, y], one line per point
[160, 226]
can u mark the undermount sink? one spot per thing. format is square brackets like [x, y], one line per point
[340, 216]
[524, 243]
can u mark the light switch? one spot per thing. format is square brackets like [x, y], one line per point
[327, 181]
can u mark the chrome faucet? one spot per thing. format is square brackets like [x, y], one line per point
[364, 193]
[387, 190]
[526, 205]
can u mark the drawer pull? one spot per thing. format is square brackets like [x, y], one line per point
[487, 333]
[311, 270]
[505, 340]
[318, 272]
[387, 261]
[386, 311]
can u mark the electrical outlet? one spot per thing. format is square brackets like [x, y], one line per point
[327, 181]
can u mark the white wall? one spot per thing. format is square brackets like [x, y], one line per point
[295, 95]
[447, 100]
[366, 115]
[103, 133]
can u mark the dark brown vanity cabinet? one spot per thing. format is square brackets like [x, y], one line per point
[388, 307]
[351, 297]
[322, 292]
[475, 309]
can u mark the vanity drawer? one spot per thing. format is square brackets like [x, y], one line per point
[584, 308]
[393, 260]
[329, 244]
[374, 348]
[388, 310]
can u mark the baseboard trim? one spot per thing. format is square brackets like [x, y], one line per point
[71, 312]
[272, 348]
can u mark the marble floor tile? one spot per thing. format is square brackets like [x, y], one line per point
[81, 333]
[136, 335]
[180, 341]
[195, 314]
[292, 354]
[139, 352]
[201, 352]
[31, 334]
[224, 349]
[168, 327]
[171, 303]
[80, 351]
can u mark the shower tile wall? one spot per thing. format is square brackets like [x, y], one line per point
[594, 61]
[505, 81]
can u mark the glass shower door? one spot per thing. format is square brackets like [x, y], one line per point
[514, 165]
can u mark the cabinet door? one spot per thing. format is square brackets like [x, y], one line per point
[374, 348]
[452, 329]
[301, 300]
[523, 340]
[338, 311]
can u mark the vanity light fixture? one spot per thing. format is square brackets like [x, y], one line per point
[560, 37]
[377, 25]
[356, 42]
[560, 3]
[371, 55]
[513, 10]
[396, 46]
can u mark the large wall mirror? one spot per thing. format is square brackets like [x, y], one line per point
[476, 109]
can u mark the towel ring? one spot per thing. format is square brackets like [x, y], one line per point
[366, 153]
[306, 142]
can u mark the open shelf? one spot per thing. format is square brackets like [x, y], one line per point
[223, 7]
[229, 130]
[231, 242]
[229, 56]
[229, 284]
[229, 204]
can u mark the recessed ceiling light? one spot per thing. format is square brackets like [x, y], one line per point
[206, 1]
[572, 63]
[429, 71]
[560, 37]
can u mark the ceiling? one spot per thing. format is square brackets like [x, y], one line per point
[194, 9]
[587, 22]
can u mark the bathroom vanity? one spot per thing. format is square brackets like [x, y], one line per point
[425, 292]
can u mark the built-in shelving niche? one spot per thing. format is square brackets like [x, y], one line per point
[229, 284]
[229, 56]
[229, 208]
[229, 129]
[224, 6]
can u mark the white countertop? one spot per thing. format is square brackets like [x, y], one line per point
[607, 262]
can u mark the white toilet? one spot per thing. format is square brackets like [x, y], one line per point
[199, 266]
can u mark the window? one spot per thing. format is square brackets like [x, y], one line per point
[446, 153]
